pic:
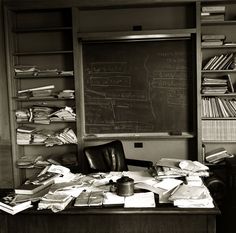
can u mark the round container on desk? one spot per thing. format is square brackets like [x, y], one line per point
[125, 186]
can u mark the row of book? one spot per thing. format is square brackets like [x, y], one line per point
[213, 13]
[220, 62]
[219, 130]
[45, 115]
[217, 85]
[30, 135]
[217, 155]
[217, 107]
[23, 71]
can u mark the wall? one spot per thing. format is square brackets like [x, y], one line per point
[5, 142]
[151, 150]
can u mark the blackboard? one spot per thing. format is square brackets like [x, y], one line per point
[138, 86]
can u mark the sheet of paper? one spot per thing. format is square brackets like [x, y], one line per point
[141, 200]
[113, 199]
[169, 184]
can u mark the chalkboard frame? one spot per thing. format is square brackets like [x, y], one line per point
[172, 133]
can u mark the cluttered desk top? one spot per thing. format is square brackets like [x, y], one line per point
[166, 189]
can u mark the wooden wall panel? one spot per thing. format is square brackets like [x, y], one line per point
[5, 141]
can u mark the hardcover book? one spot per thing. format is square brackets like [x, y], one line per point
[8, 205]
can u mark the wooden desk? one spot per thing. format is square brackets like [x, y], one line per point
[162, 219]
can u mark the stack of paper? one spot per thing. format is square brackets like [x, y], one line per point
[188, 196]
[168, 167]
[142, 200]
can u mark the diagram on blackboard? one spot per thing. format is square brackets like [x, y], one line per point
[137, 87]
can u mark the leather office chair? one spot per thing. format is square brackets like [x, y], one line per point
[110, 157]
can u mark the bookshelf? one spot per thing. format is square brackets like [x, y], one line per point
[51, 56]
[219, 131]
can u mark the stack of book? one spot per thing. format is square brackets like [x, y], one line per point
[23, 70]
[213, 40]
[24, 134]
[8, 204]
[217, 155]
[41, 114]
[220, 62]
[213, 13]
[218, 85]
[37, 183]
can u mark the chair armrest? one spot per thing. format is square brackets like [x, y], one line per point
[139, 163]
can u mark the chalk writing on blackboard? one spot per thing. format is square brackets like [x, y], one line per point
[137, 87]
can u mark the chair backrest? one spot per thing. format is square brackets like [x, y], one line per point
[106, 157]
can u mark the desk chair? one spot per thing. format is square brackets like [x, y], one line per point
[110, 157]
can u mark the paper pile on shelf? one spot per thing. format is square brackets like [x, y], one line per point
[66, 113]
[22, 115]
[65, 136]
[41, 114]
[68, 94]
[24, 134]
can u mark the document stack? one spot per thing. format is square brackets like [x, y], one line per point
[41, 114]
[68, 94]
[172, 168]
[22, 115]
[64, 136]
[24, 134]
[66, 113]
[55, 202]
[187, 196]
[213, 13]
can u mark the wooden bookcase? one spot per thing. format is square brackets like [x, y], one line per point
[41, 38]
[219, 131]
